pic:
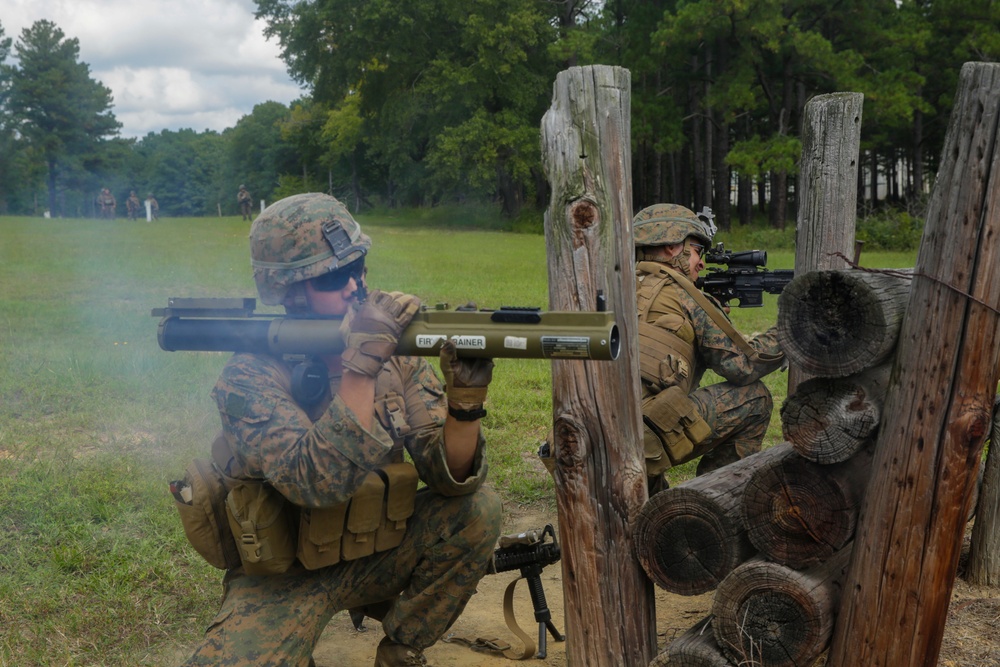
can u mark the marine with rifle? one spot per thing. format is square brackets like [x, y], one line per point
[323, 512]
[682, 333]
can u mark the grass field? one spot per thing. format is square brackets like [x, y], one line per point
[95, 419]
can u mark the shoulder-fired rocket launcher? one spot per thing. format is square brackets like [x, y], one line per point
[230, 324]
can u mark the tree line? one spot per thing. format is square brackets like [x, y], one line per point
[440, 101]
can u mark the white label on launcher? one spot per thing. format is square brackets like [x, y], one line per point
[469, 342]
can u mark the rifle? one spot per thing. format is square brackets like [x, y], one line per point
[231, 324]
[530, 552]
[743, 279]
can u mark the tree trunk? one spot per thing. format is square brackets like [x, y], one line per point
[769, 614]
[938, 408]
[827, 196]
[918, 155]
[828, 420]
[690, 536]
[51, 183]
[798, 513]
[599, 466]
[838, 323]
[694, 648]
[779, 199]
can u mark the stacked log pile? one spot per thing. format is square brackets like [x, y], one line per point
[771, 534]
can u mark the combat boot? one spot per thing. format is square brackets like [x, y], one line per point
[391, 654]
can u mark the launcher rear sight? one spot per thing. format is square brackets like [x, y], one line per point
[231, 324]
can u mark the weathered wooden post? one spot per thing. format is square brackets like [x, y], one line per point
[828, 186]
[984, 553]
[599, 468]
[938, 405]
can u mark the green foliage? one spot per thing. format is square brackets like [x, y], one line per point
[756, 156]
[890, 230]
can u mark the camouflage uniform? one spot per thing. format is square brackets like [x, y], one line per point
[132, 204]
[317, 457]
[738, 410]
[245, 202]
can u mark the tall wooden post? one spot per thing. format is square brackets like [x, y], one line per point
[599, 468]
[828, 187]
[938, 405]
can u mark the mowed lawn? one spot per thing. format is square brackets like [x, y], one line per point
[95, 419]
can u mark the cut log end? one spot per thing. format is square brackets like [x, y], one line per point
[684, 545]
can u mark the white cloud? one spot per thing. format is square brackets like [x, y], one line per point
[199, 64]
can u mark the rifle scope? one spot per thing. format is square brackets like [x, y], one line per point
[719, 255]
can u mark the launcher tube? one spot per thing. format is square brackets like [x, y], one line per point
[494, 334]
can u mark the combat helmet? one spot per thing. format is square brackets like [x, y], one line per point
[667, 224]
[301, 237]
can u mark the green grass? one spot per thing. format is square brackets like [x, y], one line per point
[95, 419]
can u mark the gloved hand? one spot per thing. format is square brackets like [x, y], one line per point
[375, 329]
[466, 379]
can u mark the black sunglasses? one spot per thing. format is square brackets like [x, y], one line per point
[337, 279]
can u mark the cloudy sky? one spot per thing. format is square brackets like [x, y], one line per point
[170, 64]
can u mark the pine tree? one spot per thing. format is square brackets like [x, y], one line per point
[56, 105]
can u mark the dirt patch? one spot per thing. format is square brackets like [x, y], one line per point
[969, 641]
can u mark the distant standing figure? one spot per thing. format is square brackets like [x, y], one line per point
[132, 205]
[245, 201]
[107, 202]
[152, 208]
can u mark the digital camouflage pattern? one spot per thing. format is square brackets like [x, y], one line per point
[276, 620]
[738, 409]
[668, 224]
[287, 244]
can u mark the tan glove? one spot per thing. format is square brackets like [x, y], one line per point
[466, 380]
[375, 329]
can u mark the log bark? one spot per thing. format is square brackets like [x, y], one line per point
[841, 322]
[829, 420]
[828, 183]
[799, 513]
[695, 648]
[938, 407]
[769, 614]
[984, 553]
[599, 466]
[689, 537]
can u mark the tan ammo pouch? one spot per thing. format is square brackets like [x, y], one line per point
[400, 496]
[374, 519]
[261, 521]
[320, 532]
[674, 420]
[199, 498]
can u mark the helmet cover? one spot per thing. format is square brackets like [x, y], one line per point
[300, 237]
[668, 224]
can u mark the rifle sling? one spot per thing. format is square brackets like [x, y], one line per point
[496, 644]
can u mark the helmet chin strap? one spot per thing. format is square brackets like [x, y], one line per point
[682, 262]
[296, 300]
